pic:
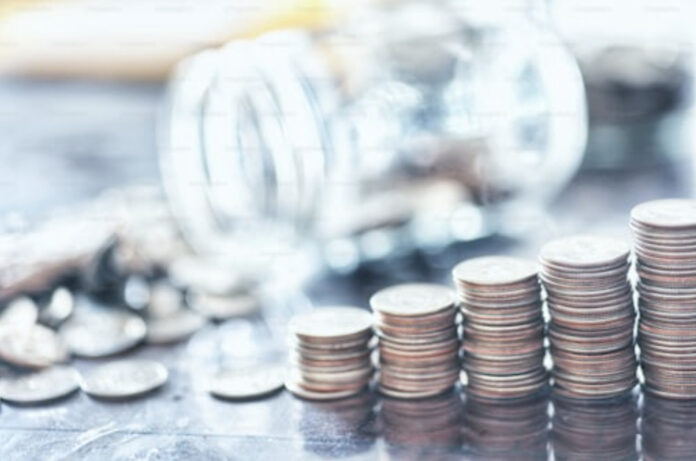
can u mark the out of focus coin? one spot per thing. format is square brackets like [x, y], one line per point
[249, 382]
[223, 307]
[100, 333]
[124, 379]
[59, 308]
[494, 270]
[21, 313]
[173, 328]
[412, 299]
[32, 347]
[331, 323]
[205, 275]
[584, 251]
[40, 386]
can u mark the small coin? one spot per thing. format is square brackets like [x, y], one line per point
[100, 333]
[584, 251]
[494, 270]
[41, 386]
[668, 213]
[248, 383]
[32, 347]
[21, 313]
[124, 379]
[59, 308]
[174, 327]
[332, 323]
[223, 307]
[412, 299]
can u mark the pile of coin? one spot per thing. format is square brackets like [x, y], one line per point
[592, 316]
[330, 353]
[665, 247]
[595, 429]
[418, 339]
[503, 340]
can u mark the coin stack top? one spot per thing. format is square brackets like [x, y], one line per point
[665, 247]
[418, 339]
[592, 316]
[330, 353]
[503, 341]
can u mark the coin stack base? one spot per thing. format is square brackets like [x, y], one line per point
[418, 340]
[503, 340]
[330, 353]
[665, 247]
[592, 316]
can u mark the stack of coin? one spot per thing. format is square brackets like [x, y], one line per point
[595, 429]
[665, 247]
[592, 316]
[503, 344]
[330, 353]
[418, 339]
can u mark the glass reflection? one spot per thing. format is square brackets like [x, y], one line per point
[338, 428]
[668, 428]
[595, 429]
[507, 429]
[426, 428]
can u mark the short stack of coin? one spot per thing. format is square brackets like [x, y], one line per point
[592, 316]
[503, 340]
[418, 341]
[330, 353]
[665, 248]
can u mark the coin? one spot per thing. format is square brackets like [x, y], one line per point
[174, 327]
[31, 347]
[99, 333]
[412, 299]
[334, 323]
[40, 386]
[124, 379]
[249, 382]
[584, 251]
[21, 313]
[223, 307]
[59, 308]
[494, 270]
[666, 214]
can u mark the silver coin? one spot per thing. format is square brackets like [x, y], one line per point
[249, 382]
[59, 308]
[100, 333]
[584, 250]
[21, 312]
[211, 276]
[668, 213]
[494, 270]
[413, 299]
[223, 307]
[32, 347]
[332, 323]
[165, 300]
[41, 386]
[173, 328]
[124, 378]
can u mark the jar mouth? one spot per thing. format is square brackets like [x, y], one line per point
[243, 153]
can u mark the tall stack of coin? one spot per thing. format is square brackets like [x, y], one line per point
[330, 353]
[503, 340]
[592, 316]
[418, 340]
[665, 247]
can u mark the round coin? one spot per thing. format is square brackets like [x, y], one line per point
[40, 386]
[412, 299]
[124, 379]
[494, 270]
[247, 383]
[100, 333]
[173, 328]
[584, 251]
[332, 323]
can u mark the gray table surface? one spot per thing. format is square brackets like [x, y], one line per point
[63, 141]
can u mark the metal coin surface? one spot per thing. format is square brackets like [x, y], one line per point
[40, 386]
[100, 333]
[249, 382]
[124, 379]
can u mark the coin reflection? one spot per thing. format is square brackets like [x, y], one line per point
[413, 428]
[668, 428]
[347, 422]
[595, 429]
[507, 429]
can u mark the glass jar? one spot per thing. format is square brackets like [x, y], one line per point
[410, 125]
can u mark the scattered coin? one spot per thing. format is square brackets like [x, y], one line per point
[124, 379]
[223, 307]
[32, 347]
[205, 275]
[173, 328]
[58, 309]
[418, 342]
[100, 332]
[592, 316]
[21, 313]
[249, 382]
[40, 386]
[664, 234]
[330, 353]
[503, 343]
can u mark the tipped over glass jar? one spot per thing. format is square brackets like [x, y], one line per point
[410, 125]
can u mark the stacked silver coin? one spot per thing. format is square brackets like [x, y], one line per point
[330, 353]
[592, 316]
[418, 341]
[665, 247]
[503, 340]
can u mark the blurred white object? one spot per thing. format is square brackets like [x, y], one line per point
[413, 124]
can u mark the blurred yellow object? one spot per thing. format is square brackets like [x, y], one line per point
[139, 40]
